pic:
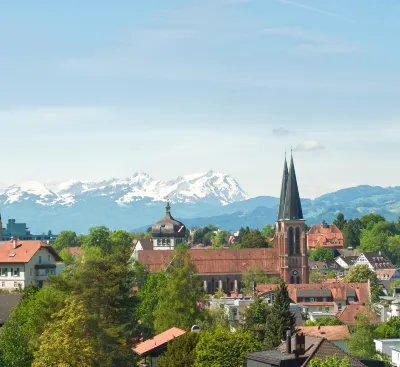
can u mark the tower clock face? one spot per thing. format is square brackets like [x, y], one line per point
[295, 272]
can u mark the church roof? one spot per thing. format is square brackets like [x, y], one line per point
[168, 226]
[293, 208]
[283, 191]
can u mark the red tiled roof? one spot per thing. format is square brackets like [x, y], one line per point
[349, 314]
[159, 340]
[317, 303]
[24, 251]
[337, 332]
[338, 290]
[75, 250]
[318, 236]
[214, 261]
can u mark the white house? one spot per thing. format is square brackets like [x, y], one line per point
[26, 262]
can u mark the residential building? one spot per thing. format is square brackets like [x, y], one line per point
[151, 349]
[376, 261]
[140, 245]
[387, 345]
[322, 300]
[349, 314]
[336, 334]
[325, 266]
[26, 262]
[75, 251]
[300, 350]
[325, 235]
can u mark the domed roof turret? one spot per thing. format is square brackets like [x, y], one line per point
[168, 226]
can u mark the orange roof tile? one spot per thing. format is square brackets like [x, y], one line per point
[319, 236]
[24, 251]
[338, 332]
[349, 314]
[216, 261]
[159, 340]
[75, 250]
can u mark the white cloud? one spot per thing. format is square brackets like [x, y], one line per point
[309, 145]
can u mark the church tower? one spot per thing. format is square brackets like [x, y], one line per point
[290, 236]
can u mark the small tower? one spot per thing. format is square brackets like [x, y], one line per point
[290, 236]
[168, 232]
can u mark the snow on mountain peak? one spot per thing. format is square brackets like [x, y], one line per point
[183, 189]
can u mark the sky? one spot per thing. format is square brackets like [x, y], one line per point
[96, 89]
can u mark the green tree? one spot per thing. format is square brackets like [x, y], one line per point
[252, 276]
[181, 352]
[368, 221]
[361, 342]
[214, 318]
[321, 254]
[362, 274]
[221, 239]
[198, 235]
[252, 239]
[352, 233]
[255, 318]
[390, 329]
[224, 349]
[340, 222]
[280, 319]
[67, 257]
[330, 361]
[268, 231]
[177, 304]
[68, 339]
[121, 240]
[65, 239]
[149, 295]
[393, 249]
[99, 237]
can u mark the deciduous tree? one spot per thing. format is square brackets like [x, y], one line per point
[65, 239]
[255, 318]
[330, 361]
[321, 254]
[181, 352]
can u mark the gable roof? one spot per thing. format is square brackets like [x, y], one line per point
[75, 250]
[24, 251]
[158, 341]
[349, 314]
[318, 236]
[217, 261]
[146, 244]
[378, 260]
[337, 332]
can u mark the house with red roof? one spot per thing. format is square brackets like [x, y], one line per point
[23, 263]
[325, 235]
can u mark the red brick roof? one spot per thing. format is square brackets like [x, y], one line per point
[338, 332]
[75, 250]
[349, 314]
[214, 261]
[147, 346]
[24, 251]
[318, 236]
[338, 290]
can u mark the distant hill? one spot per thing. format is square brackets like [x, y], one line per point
[197, 199]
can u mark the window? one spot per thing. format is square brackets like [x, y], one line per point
[3, 284]
[4, 272]
[312, 299]
[16, 272]
[320, 309]
[53, 272]
[326, 309]
[324, 299]
[339, 307]
[15, 284]
[49, 257]
[47, 271]
[40, 259]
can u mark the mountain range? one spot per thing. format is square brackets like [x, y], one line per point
[198, 199]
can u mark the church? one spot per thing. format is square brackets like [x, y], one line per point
[223, 268]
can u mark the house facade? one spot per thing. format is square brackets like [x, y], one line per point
[23, 263]
[325, 235]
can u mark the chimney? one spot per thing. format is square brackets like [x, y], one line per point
[15, 243]
[299, 341]
[288, 341]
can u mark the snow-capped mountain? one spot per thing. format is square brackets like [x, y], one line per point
[186, 189]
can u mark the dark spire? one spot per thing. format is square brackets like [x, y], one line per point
[283, 190]
[292, 201]
[168, 208]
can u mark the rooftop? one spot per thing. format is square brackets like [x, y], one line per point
[339, 332]
[24, 251]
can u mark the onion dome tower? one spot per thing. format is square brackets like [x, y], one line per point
[168, 232]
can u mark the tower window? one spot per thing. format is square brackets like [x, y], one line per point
[297, 241]
[291, 241]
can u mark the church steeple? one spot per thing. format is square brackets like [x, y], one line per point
[283, 191]
[292, 210]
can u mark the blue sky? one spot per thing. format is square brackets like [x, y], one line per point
[98, 89]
